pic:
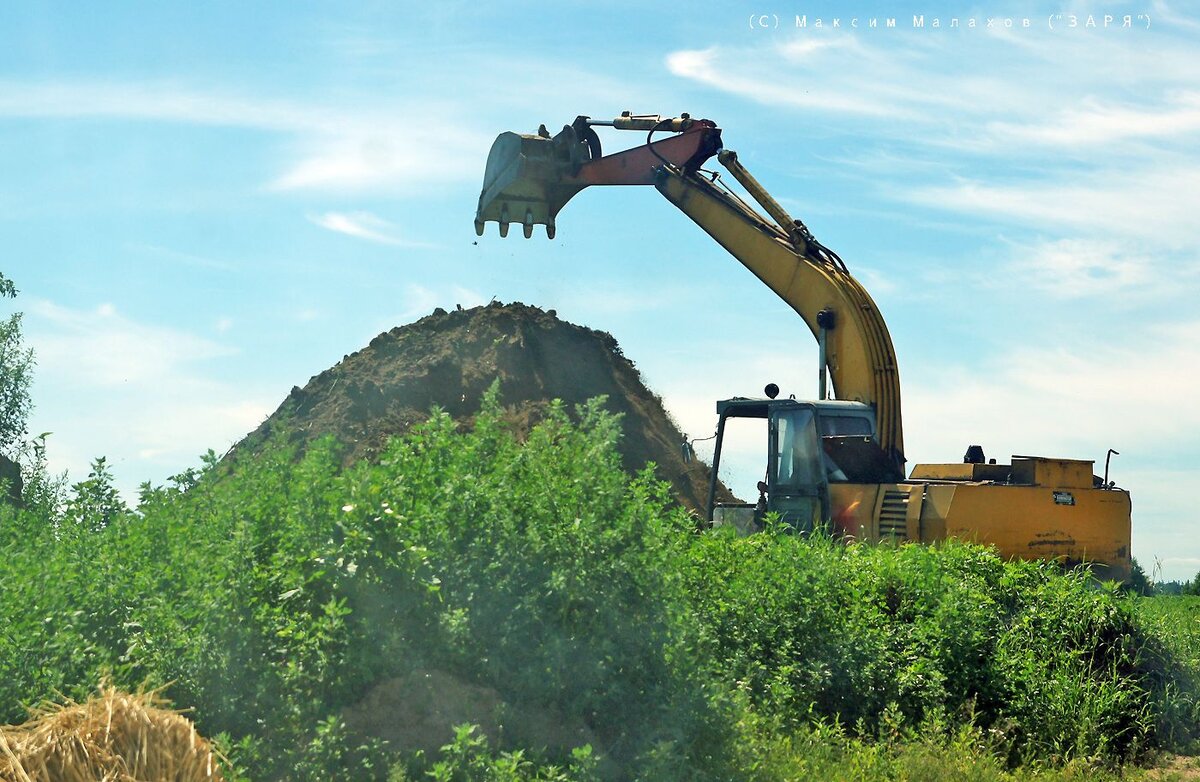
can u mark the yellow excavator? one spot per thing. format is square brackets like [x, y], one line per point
[836, 462]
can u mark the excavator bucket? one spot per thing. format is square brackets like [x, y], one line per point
[529, 178]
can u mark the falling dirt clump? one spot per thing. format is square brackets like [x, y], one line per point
[450, 359]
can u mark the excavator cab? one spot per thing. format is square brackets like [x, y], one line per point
[810, 445]
[797, 488]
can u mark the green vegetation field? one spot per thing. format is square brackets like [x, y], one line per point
[273, 595]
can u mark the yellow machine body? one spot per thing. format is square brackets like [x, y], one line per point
[1036, 508]
[851, 437]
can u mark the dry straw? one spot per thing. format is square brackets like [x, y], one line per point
[113, 737]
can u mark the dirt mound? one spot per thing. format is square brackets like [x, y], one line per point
[449, 359]
[421, 710]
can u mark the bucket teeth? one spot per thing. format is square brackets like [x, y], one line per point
[529, 178]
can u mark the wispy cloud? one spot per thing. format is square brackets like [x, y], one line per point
[364, 225]
[1152, 202]
[1093, 122]
[102, 347]
[1082, 397]
[422, 133]
[132, 391]
[332, 145]
[1086, 141]
[711, 67]
[983, 94]
[1075, 268]
[387, 153]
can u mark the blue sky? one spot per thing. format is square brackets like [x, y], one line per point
[206, 204]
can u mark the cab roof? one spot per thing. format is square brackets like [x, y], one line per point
[746, 407]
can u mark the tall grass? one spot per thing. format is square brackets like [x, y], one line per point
[1172, 654]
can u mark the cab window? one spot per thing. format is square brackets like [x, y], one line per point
[798, 457]
[841, 425]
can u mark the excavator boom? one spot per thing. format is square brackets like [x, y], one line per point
[529, 178]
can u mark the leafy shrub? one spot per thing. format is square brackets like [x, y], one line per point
[274, 592]
[469, 758]
[857, 634]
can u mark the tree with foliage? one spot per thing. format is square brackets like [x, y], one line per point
[1139, 582]
[24, 477]
[16, 373]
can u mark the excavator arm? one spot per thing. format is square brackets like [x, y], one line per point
[529, 178]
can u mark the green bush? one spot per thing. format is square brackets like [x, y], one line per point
[469, 758]
[858, 634]
[273, 592]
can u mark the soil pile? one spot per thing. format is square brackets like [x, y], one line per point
[421, 710]
[449, 359]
